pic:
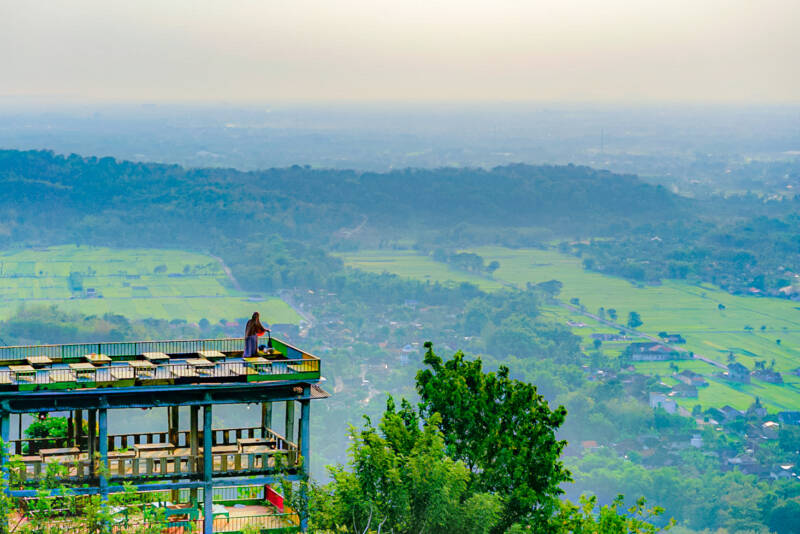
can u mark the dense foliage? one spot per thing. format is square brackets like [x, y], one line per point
[100, 198]
[502, 429]
[276, 229]
[400, 480]
[758, 254]
[480, 456]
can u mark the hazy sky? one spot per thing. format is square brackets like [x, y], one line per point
[264, 50]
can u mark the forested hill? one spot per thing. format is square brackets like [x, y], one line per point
[121, 202]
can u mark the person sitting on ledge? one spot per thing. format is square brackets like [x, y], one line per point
[253, 329]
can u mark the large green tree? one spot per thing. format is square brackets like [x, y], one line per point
[503, 430]
[400, 480]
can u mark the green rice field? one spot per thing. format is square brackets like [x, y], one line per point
[136, 283]
[692, 310]
[412, 265]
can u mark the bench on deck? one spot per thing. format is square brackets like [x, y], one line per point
[97, 358]
[62, 375]
[153, 450]
[211, 354]
[84, 370]
[38, 361]
[202, 366]
[142, 367]
[256, 445]
[61, 454]
[155, 357]
[260, 364]
[23, 372]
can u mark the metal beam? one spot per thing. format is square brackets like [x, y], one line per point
[173, 413]
[78, 427]
[305, 452]
[266, 418]
[289, 425]
[174, 424]
[150, 396]
[5, 432]
[194, 446]
[103, 423]
[208, 468]
[92, 438]
[18, 450]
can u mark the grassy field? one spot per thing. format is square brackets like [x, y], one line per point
[412, 265]
[674, 306]
[136, 283]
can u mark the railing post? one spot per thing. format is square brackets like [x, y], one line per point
[208, 467]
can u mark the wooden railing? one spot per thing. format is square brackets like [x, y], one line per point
[222, 436]
[120, 349]
[131, 517]
[170, 464]
[164, 373]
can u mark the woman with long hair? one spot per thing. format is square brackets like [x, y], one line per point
[253, 329]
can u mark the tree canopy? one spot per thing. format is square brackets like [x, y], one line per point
[502, 429]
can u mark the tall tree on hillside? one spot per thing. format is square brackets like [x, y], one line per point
[634, 320]
[504, 432]
[399, 480]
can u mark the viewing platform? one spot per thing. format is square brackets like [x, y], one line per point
[149, 363]
[92, 382]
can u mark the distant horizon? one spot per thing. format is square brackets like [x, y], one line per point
[71, 102]
[383, 50]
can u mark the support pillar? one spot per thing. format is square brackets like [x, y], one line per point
[18, 450]
[266, 418]
[305, 453]
[92, 438]
[289, 426]
[174, 424]
[208, 467]
[5, 434]
[78, 427]
[70, 429]
[103, 427]
[194, 411]
[173, 417]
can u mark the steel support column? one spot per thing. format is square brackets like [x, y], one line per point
[78, 427]
[266, 418]
[174, 424]
[92, 438]
[305, 453]
[174, 437]
[194, 412]
[5, 432]
[289, 426]
[70, 427]
[208, 467]
[103, 435]
[18, 450]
